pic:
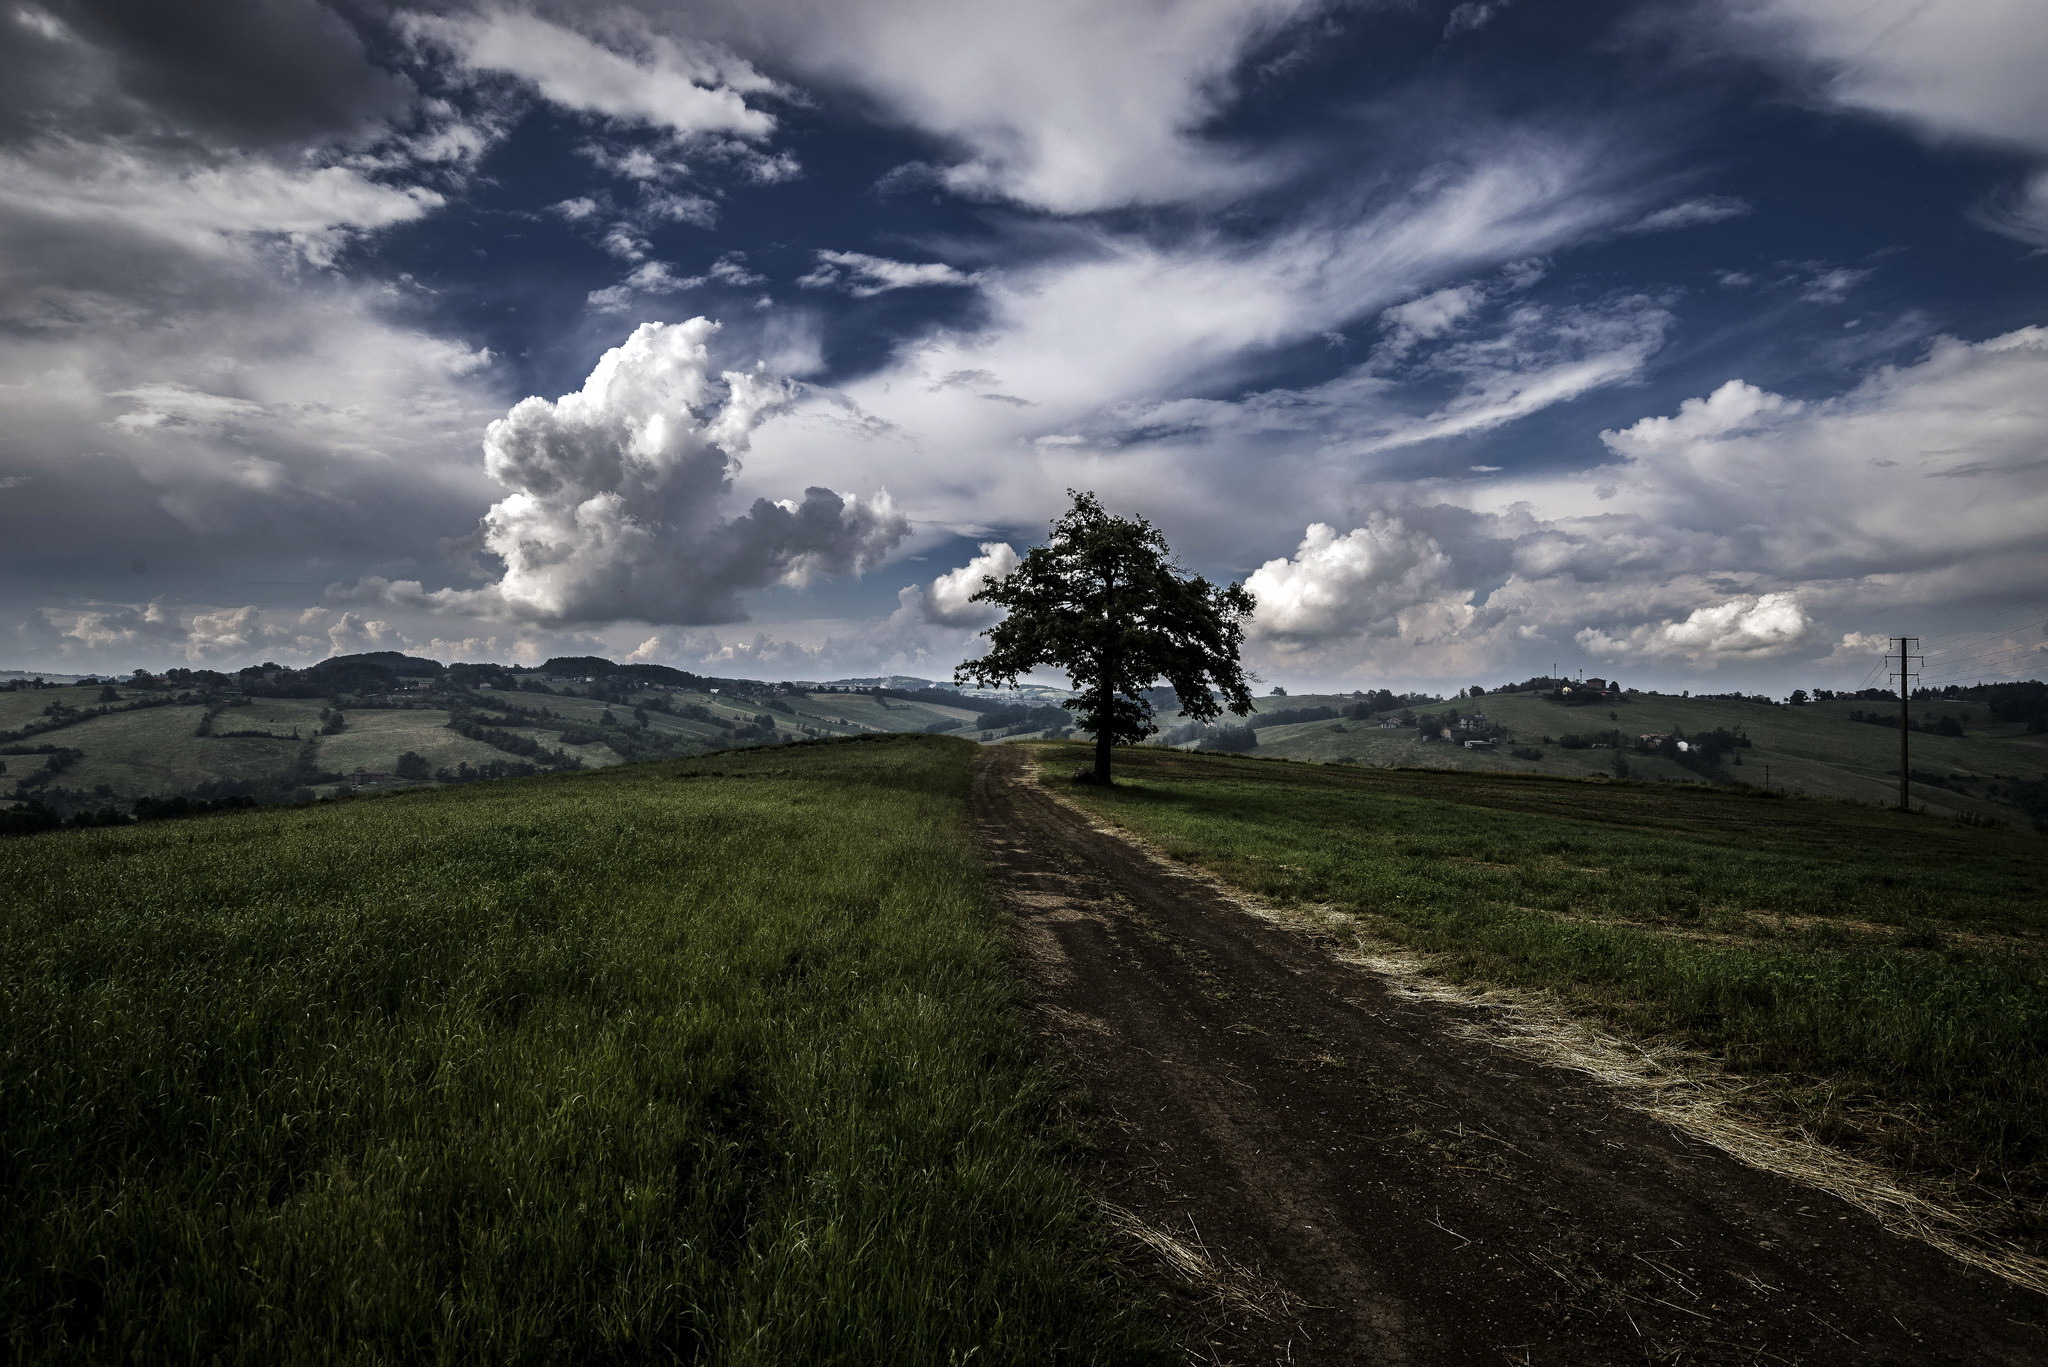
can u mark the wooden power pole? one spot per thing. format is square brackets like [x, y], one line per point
[1905, 644]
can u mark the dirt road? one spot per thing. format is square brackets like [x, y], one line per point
[1411, 1197]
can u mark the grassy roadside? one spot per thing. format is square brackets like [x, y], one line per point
[708, 1061]
[1885, 978]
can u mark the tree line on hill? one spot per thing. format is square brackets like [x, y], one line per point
[34, 816]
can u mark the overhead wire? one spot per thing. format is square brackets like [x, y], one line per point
[2035, 607]
[1967, 639]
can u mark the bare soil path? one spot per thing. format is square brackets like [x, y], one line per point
[1415, 1197]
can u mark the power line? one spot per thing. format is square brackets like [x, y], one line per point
[2035, 608]
[2009, 665]
[2005, 641]
[2032, 648]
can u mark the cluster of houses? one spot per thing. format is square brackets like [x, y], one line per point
[1587, 691]
[1474, 732]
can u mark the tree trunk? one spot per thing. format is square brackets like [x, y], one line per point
[1106, 662]
[1102, 724]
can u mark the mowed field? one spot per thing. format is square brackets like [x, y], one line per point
[706, 1060]
[1815, 749]
[1882, 978]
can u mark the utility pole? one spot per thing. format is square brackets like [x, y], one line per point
[1906, 671]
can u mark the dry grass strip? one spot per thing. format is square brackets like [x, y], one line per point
[1236, 1290]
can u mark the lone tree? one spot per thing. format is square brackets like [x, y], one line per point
[1104, 601]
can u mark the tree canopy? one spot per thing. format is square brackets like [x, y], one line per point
[1104, 601]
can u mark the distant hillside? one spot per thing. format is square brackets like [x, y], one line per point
[1993, 766]
[381, 720]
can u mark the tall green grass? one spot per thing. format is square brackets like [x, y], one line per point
[1903, 1004]
[707, 1061]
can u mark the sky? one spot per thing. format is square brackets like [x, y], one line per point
[1694, 343]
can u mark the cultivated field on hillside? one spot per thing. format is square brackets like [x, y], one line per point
[704, 1060]
[1884, 977]
[158, 751]
[374, 740]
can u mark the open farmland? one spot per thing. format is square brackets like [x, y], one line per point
[1882, 977]
[708, 1060]
[279, 716]
[155, 751]
[374, 740]
[868, 713]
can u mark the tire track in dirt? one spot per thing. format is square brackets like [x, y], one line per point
[1372, 1189]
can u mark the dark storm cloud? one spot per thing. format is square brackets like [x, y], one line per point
[254, 73]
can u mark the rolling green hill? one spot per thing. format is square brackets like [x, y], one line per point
[376, 722]
[1815, 749]
[272, 737]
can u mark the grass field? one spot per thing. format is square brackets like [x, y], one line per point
[155, 751]
[280, 716]
[374, 740]
[1885, 976]
[701, 1061]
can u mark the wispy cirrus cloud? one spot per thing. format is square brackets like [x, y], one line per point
[864, 276]
[1969, 73]
[1692, 213]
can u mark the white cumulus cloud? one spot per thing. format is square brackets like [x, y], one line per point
[616, 493]
[1736, 406]
[1358, 583]
[1756, 627]
[945, 601]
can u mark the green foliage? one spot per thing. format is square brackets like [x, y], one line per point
[710, 1061]
[1103, 600]
[1230, 740]
[1882, 975]
[412, 765]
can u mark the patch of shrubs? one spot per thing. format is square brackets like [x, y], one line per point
[465, 772]
[33, 818]
[1017, 718]
[511, 742]
[1230, 740]
[56, 759]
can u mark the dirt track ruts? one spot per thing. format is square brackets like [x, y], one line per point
[1421, 1198]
